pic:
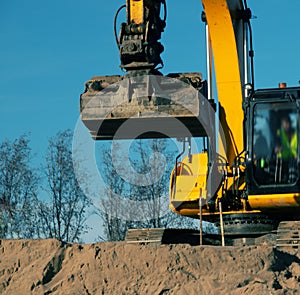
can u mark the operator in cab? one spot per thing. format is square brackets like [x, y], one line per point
[286, 147]
[286, 152]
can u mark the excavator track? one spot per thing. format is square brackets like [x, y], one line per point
[288, 236]
[145, 236]
[162, 236]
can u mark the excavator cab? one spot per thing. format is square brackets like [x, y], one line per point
[265, 188]
[273, 146]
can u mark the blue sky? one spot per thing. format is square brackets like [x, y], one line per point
[50, 48]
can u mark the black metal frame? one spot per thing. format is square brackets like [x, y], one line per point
[280, 95]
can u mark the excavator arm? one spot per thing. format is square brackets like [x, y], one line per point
[140, 51]
[140, 54]
[225, 24]
[138, 42]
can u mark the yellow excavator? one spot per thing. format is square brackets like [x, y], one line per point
[246, 178]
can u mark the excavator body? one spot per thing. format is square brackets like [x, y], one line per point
[249, 168]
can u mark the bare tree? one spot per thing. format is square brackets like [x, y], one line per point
[64, 216]
[144, 201]
[149, 165]
[155, 161]
[18, 190]
[113, 209]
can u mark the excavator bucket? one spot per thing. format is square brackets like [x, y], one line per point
[147, 106]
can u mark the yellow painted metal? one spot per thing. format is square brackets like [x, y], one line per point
[227, 70]
[274, 201]
[136, 11]
[193, 212]
[186, 212]
[191, 179]
[225, 45]
[191, 183]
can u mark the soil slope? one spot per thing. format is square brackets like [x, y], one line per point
[52, 267]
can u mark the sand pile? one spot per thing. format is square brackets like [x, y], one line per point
[51, 267]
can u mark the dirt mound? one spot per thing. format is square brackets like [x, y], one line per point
[52, 267]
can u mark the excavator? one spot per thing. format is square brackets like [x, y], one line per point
[246, 178]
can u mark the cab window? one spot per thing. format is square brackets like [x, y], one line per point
[275, 143]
